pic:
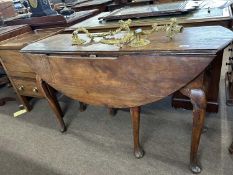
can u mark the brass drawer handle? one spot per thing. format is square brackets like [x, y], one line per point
[35, 90]
[21, 88]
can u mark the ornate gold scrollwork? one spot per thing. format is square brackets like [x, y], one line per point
[131, 38]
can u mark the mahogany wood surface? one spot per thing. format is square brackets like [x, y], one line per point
[125, 77]
[117, 90]
[196, 91]
[214, 72]
[53, 21]
[221, 17]
[161, 44]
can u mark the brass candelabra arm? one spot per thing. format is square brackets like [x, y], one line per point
[132, 38]
[78, 41]
[127, 38]
[171, 29]
[124, 26]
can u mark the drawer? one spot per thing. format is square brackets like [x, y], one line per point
[27, 87]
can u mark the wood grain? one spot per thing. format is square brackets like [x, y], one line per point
[201, 17]
[197, 40]
[118, 83]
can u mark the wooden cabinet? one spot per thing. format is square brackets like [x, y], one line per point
[20, 74]
[6, 33]
[18, 71]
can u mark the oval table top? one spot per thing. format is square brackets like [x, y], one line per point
[202, 40]
[126, 77]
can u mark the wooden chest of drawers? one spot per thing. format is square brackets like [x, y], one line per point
[7, 33]
[19, 72]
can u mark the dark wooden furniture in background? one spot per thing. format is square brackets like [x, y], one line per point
[145, 11]
[52, 21]
[125, 77]
[117, 5]
[21, 76]
[6, 33]
[101, 5]
[201, 17]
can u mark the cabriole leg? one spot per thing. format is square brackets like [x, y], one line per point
[50, 97]
[198, 99]
[135, 117]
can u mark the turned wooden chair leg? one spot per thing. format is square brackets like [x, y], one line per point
[51, 98]
[231, 148]
[82, 106]
[198, 100]
[112, 111]
[135, 117]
